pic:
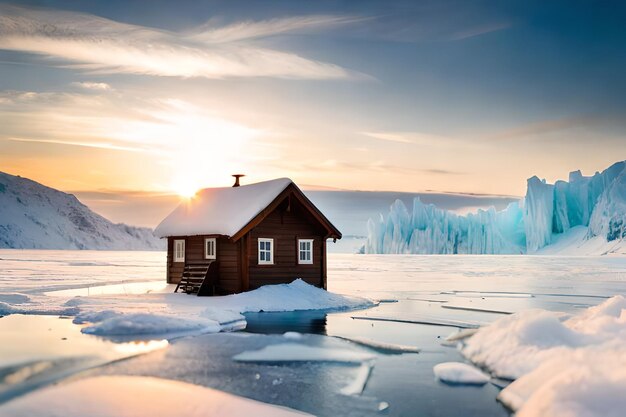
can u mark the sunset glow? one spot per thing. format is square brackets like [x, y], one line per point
[95, 101]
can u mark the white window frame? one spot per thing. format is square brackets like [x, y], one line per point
[309, 251]
[179, 252]
[207, 252]
[271, 251]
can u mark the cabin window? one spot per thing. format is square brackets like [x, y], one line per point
[266, 251]
[179, 250]
[210, 248]
[305, 251]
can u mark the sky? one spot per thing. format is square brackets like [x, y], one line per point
[137, 101]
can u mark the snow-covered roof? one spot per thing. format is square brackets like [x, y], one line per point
[221, 211]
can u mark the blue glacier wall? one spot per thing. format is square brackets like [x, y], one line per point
[597, 202]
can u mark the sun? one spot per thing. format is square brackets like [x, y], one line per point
[187, 191]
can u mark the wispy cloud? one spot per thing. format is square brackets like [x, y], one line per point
[92, 85]
[544, 127]
[250, 29]
[379, 166]
[416, 138]
[88, 144]
[99, 45]
[480, 30]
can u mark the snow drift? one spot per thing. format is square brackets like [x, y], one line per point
[549, 213]
[135, 316]
[563, 366]
[33, 216]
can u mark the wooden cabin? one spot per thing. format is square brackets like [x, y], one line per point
[250, 235]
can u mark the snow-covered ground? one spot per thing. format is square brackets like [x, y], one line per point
[379, 357]
[570, 365]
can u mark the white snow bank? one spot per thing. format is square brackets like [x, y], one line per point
[583, 379]
[517, 344]
[460, 373]
[163, 314]
[574, 367]
[134, 396]
[174, 313]
[298, 295]
[295, 352]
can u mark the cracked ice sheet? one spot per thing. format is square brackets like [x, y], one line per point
[313, 387]
[297, 352]
[136, 396]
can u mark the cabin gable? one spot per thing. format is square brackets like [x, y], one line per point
[285, 225]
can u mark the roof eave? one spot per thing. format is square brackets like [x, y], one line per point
[333, 232]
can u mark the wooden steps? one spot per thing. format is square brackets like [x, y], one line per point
[200, 278]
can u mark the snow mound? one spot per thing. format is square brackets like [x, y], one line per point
[460, 373]
[137, 396]
[296, 352]
[566, 366]
[293, 335]
[150, 324]
[297, 295]
[175, 313]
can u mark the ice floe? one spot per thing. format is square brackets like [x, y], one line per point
[150, 324]
[296, 352]
[382, 347]
[460, 373]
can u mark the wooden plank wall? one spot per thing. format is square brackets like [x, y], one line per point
[174, 269]
[227, 257]
[285, 227]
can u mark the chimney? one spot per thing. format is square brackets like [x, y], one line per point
[237, 176]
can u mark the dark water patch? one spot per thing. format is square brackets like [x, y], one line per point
[313, 322]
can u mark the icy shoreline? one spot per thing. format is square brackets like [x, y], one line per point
[175, 314]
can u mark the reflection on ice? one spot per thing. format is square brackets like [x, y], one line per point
[37, 350]
[135, 396]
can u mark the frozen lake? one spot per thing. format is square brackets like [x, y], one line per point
[423, 299]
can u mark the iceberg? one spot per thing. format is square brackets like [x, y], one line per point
[547, 212]
[429, 229]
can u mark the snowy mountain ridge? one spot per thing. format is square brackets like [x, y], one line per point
[33, 216]
[585, 215]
